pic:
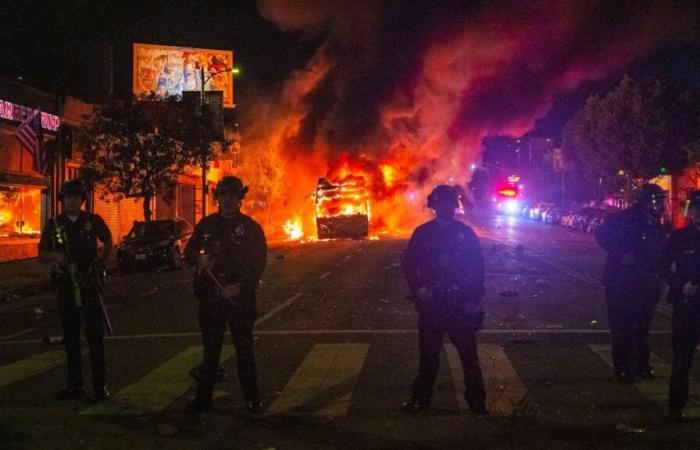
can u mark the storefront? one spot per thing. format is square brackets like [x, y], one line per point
[24, 193]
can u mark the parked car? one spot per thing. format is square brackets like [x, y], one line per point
[553, 216]
[568, 219]
[598, 218]
[583, 219]
[154, 243]
[539, 208]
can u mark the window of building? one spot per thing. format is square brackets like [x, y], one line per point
[20, 212]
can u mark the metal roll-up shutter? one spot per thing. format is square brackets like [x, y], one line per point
[109, 211]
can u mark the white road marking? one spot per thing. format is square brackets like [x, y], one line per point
[324, 382]
[656, 390]
[325, 275]
[495, 332]
[278, 308]
[19, 333]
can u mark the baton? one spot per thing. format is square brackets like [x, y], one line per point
[108, 324]
[218, 285]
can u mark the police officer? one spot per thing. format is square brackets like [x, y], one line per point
[633, 240]
[69, 244]
[230, 253]
[444, 268]
[681, 263]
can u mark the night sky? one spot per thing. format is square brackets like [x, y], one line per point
[44, 41]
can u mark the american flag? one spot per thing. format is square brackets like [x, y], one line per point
[30, 137]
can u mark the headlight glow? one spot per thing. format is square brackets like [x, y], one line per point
[511, 206]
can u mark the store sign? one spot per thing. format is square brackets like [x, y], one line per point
[17, 113]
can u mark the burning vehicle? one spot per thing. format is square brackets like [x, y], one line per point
[342, 208]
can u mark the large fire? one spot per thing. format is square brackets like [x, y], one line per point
[404, 108]
[294, 229]
[342, 208]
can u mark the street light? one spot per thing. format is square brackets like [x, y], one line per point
[205, 187]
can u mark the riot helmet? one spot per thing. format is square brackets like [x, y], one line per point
[73, 186]
[232, 185]
[443, 192]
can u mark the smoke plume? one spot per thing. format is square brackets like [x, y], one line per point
[405, 91]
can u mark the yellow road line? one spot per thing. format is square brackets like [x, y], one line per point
[655, 390]
[504, 388]
[30, 366]
[324, 382]
[156, 390]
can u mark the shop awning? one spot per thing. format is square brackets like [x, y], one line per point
[20, 179]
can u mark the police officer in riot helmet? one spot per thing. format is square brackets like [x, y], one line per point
[443, 266]
[69, 245]
[633, 240]
[681, 265]
[230, 253]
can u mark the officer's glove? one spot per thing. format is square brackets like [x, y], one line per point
[205, 261]
[231, 290]
[690, 289]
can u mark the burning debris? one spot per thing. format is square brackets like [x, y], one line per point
[342, 209]
[293, 229]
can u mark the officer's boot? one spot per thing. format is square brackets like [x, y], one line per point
[202, 402]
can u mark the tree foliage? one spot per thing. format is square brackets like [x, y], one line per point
[634, 133]
[263, 170]
[135, 149]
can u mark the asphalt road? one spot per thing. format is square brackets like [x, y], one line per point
[336, 346]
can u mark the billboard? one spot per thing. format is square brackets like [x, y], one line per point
[163, 69]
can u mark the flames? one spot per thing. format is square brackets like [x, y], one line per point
[344, 197]
[294, 229]
[398, 110]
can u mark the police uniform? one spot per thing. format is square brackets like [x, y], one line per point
[78, 241]
[449, 261]
[631, 290]
[682, 252]
[239, 250]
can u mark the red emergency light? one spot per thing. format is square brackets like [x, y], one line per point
[507, 192]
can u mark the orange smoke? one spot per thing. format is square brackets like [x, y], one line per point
[405, 106]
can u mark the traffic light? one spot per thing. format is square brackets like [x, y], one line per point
[663, 171]
[65, 137]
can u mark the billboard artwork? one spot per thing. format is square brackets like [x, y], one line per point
[163, 69]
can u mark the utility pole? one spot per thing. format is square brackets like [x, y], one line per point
[202, 99]
[205, 186]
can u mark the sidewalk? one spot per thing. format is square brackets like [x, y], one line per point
[22, 278]
[25, 277]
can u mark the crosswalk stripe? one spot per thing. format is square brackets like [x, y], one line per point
[655, 390]
[457, 375]
[504, 388]
[156, 390]
[324, 382]
[28, 367]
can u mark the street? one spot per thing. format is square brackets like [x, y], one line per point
[336, 346]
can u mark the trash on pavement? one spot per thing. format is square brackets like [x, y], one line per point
[624, 428]
[166, 429]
